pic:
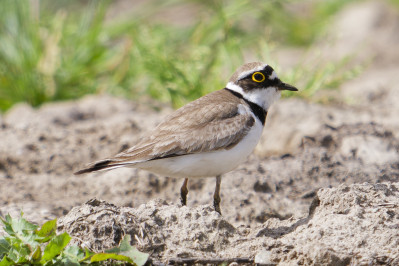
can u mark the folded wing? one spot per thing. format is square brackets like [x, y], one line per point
[189, 130]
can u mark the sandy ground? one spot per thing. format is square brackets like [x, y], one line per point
[301, 198]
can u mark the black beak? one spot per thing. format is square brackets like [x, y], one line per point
[286, 87]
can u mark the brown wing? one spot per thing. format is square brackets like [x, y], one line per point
[218, 134]
[210, 123]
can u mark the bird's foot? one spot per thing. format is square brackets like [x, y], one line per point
[216, 205]
[183, 199]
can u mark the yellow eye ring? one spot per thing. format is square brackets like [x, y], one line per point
[258, 77]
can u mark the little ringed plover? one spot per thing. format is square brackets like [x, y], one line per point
[209, 136]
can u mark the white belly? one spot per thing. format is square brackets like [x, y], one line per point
[208, 164]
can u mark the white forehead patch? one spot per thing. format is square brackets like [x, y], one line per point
[245, 73]
[273, 75]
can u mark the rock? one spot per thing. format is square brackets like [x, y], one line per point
[263, 258]
[167, 231]
[355, 224]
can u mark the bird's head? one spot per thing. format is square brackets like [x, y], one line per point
[258, 83]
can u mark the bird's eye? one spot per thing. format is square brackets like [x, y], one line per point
[258, 77]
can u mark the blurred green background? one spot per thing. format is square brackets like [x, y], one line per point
[172, 50]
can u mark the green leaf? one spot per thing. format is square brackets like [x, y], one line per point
[67, 262]
[37, 254]
[126, 249]
[20, 229]
[23, 247]
[88, 254]
[73, 254]
[7, 225]
[47, 231]
[4, 246]
[20, 225]
[55, 246]
[6, 261]
[105, 256]
[12, 254]
[19, 252]
[28, 238]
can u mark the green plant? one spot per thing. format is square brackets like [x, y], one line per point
[313, 77]
[51, 57]
[395, 3]
[26, 244]
[60, 50]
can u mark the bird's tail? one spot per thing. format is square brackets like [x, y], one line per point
[106, 164]
[129, 158]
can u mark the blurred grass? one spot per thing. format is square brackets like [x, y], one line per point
[395, 3]
[62, 50]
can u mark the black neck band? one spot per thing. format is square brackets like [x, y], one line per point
[259, 112]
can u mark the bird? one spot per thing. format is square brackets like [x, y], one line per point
[209, 136]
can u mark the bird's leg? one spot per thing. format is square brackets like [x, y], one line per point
[184, 192]
[216, 196]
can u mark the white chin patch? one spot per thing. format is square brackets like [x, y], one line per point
[262, 97]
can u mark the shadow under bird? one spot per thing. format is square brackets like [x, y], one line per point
[209, 136]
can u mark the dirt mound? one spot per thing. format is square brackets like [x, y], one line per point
[350, 224]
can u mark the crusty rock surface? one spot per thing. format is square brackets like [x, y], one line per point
[355, 224]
